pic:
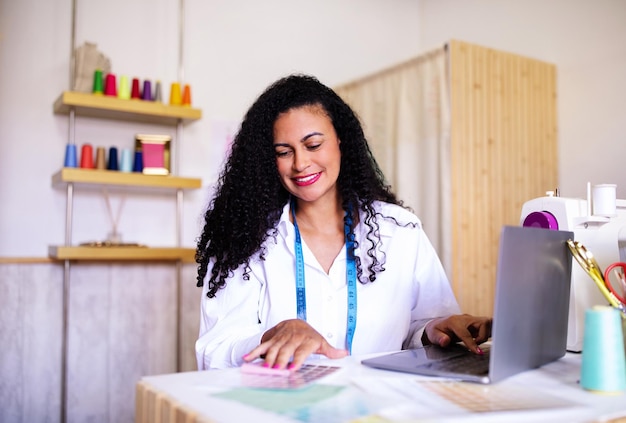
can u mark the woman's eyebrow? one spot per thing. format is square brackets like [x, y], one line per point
[306, 137]
[312, 134]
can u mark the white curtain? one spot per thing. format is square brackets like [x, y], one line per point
[405, 111]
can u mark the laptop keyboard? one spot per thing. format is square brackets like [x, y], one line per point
[470, 363]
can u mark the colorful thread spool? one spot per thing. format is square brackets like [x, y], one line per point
[110, 85]
[70, 156]
[126, 164]
[138, 162]
[113, 163]
[175, 95]
[135, 93]
[100, 158]
[124, 90]
[603, 366]
[86, 157]
[187, 95]
[98, 83]
[146, 94]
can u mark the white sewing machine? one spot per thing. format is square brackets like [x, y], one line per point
[604, 236]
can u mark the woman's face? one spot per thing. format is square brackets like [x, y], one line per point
[307, 153]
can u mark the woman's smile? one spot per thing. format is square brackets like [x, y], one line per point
[307, 180]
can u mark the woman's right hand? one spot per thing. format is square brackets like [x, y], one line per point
[292, 338]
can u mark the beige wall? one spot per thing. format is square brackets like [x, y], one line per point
[585, 40]
[232, 51]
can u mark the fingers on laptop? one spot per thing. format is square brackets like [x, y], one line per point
[471, 330]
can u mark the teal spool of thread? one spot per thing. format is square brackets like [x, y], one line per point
[127, 160]
[603, 359]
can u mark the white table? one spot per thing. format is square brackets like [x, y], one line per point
[370, 395]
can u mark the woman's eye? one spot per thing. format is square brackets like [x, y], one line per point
[313, 146]
[282, 153]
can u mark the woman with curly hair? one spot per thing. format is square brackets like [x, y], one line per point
[305, 249]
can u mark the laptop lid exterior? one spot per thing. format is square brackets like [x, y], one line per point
[532, 300]
[530, 311]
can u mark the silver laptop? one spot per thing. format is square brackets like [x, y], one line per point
[530, 314]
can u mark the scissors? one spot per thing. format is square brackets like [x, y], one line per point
[619, 270]
[589, 263]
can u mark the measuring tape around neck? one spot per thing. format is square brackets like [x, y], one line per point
[350, 276]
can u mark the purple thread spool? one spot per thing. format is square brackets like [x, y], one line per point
[147, 91]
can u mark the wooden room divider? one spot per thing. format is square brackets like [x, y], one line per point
[501, 134]
[504, 152]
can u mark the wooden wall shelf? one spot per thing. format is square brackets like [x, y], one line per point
[117, 178]
[121, 254]
[107, 107]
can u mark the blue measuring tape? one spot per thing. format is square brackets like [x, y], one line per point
[350, 276]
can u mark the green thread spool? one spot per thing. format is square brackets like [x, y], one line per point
[603, 359]
[98, 85]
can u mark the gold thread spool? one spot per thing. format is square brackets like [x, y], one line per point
[100, 158]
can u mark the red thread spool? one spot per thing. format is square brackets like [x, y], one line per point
[86, 157]
[134, 92]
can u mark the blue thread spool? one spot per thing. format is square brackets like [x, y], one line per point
[138, 163]
[70, 156]
[113, 163]
[127, 160]
[603, 363]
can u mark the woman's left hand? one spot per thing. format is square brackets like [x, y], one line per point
[471, 330]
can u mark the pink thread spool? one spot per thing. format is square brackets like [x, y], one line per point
[110, 85]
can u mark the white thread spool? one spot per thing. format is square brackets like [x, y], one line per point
[604, 200]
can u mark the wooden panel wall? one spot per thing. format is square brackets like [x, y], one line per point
[122, 322]
[504, 152]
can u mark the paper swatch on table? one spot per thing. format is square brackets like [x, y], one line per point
[448, 400]
[315, 403]
[487, 398]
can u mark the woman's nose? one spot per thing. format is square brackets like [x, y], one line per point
[301, 161]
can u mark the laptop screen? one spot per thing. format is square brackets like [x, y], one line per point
[530, 310]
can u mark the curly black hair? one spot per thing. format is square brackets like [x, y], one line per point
[250, 197]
